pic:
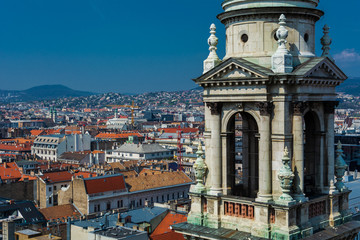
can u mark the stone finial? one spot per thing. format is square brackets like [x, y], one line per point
[200, 170]
[340, 167]
[332, 189]
[213, 60]
[282, 61]
[326, 42]
[286, 177]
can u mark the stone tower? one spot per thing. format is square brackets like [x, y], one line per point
[269, 129]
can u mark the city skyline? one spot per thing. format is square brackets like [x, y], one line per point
[119, 47]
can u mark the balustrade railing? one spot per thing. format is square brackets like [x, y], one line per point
[238, 210]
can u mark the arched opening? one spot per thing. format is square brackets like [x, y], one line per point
[243, 155]
[312, 138]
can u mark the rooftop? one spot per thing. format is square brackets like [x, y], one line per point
[60, 176]
[144, 182]
[141, 148]
[120, 233]
[105, 184]
[61, 211]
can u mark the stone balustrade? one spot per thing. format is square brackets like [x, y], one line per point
[238, 210]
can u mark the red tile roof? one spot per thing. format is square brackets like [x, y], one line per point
[61, 211]
[104, 184]
[170, 219]
[9, 171]
[168, 236]
[53, 177]
[84, 174]
[117, 135]
[174, 130]
[37, 132]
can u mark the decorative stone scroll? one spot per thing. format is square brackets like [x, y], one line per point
[215, 108]
[329, 107]
[265, 108]
[299, 108]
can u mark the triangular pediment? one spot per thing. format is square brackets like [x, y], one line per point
[322, 68]
[234, 69]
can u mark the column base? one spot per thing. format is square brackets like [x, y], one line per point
[215, 191]
[264, 198]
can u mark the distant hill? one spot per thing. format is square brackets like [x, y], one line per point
[41, 93]
[350, 86]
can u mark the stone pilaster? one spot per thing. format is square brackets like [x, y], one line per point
[265, 179]
[298, 150]
[329, 109]
[215, 146]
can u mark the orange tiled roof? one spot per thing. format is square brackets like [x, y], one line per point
[53, 177]
[164, 179]
[170, 219]
[9, 171]
[37, 132]
[30, 178]
[15, 147]
[61, 211]
[174, 130]
[117, 135]
[149, 171]
[104, 184]
[129, 173]
[84, 174]
[167, 236]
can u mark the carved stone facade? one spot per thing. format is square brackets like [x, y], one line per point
[252, 115]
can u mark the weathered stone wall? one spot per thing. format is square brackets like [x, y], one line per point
[18, 190]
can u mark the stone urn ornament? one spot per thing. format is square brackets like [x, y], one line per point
[200, 170]
[286, 177]
[340, 168]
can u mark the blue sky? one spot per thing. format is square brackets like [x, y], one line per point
[131, 46]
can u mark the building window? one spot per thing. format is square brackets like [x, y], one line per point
[54, 188]
[173, 197]
[140, 202]
[157, 198]
[108, 206]
[168, 198]
[49, 189]
[178, 195]
[152, 199]
[162, 198]
[50, 200]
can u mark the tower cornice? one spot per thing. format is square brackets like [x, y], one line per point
[269, 12]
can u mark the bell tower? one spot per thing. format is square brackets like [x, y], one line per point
[270, 163]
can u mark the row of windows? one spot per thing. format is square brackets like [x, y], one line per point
[141, 202]
[244, 37]
[45, 152]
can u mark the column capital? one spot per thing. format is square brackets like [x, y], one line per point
[265, 108]
[299, 107]
[215, 108]
[329, 107]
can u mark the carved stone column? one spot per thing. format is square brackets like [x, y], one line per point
[298, 150]
[265, 171]
[215, 146]
[329, 109]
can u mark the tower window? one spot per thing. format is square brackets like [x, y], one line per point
[244, 38]
[306, 37]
